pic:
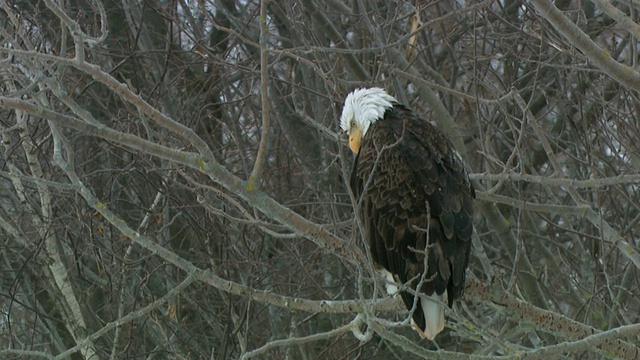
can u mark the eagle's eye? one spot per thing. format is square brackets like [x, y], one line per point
[353, 123]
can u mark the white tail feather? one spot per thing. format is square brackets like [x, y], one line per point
[433, 310]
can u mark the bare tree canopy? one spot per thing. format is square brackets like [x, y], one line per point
[174, 181]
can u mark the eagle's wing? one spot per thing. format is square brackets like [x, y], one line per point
[413, 187]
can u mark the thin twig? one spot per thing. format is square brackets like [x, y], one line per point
[561, 182]
[301, 340]
[137, 314]
[258, 166]
[608, 232]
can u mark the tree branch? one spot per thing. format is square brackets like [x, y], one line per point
[254, 178]
[621, 73]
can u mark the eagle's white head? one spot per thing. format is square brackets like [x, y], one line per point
[362, 108]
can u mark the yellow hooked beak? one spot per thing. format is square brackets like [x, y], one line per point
[355, 139]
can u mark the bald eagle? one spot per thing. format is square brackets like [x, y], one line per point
[415, 202]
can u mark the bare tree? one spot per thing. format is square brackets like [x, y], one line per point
[174, 183]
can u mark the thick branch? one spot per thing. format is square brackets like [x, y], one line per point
[550, 321]
[622, 73]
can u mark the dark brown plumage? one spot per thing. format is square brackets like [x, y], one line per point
[412, 186]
